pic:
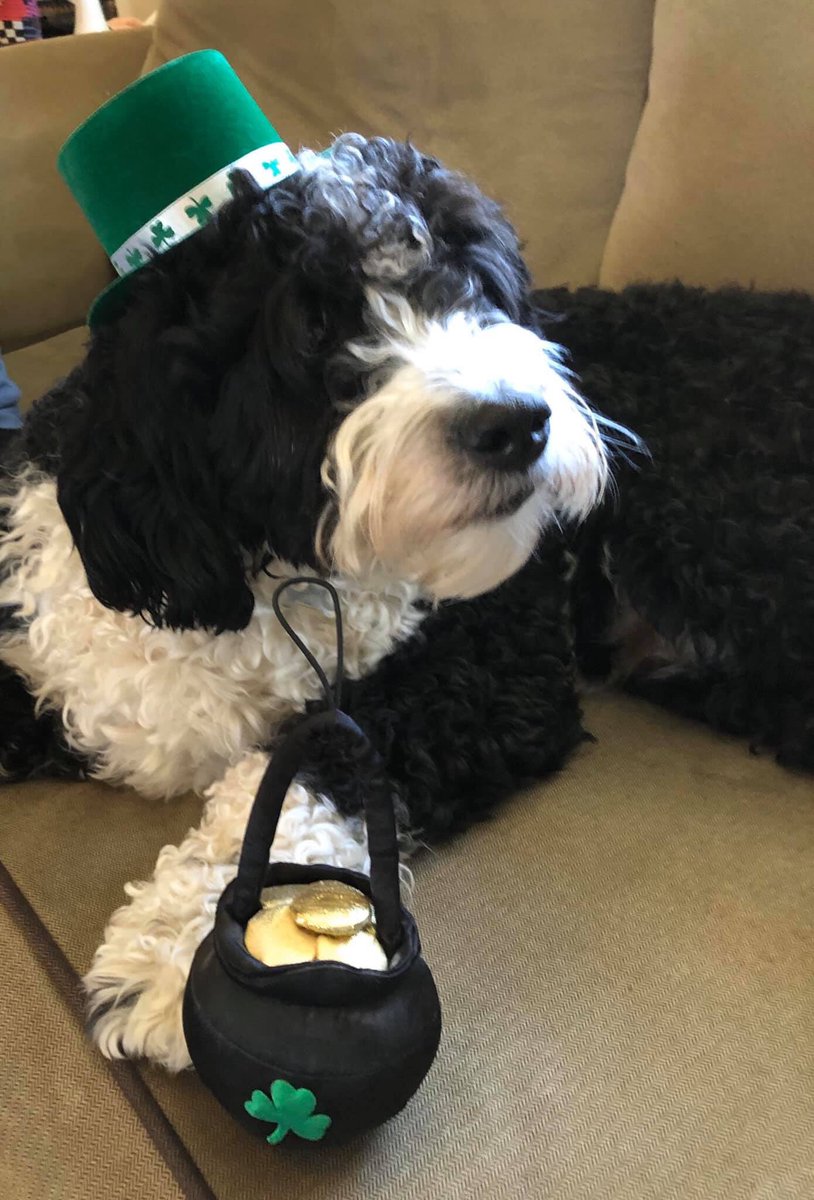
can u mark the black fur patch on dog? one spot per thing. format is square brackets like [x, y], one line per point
[480, 703]
[710, 543]
[32, 745]
[8, 439]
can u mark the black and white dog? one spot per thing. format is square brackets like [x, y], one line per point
[338, 374]
[347, 374]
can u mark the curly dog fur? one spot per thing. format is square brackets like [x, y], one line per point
[347, 373]
[708, 548]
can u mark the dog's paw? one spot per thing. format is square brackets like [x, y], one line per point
[136, 983]
[134, 1024]
[135, 990]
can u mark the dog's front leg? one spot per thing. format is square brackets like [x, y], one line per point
[136, 982]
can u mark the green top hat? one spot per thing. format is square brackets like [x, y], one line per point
[153, 164]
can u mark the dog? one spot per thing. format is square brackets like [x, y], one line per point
[349, 374]
[340, 374]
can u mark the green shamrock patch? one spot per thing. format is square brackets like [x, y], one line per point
[161, 234]
[134, 258]
[291, 1110]
[200, 210]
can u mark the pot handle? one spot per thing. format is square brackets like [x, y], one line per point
[286, 761]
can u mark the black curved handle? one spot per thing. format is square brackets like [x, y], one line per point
[285, 763]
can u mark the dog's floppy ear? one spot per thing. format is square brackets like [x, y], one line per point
[135, 488]
[137, 482]
[198, 423]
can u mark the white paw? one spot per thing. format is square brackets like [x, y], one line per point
[136, 983]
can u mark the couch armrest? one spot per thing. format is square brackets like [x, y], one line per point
[51, 265]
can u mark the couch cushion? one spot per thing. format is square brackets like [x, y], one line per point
[538, 101]
[68, 1131]
[36, 368]
[625, 956]
[720, 182]
[52, 265]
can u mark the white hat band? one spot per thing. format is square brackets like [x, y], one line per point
[267, 165]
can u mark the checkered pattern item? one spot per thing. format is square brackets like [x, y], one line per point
[19, 22]
[14, 32]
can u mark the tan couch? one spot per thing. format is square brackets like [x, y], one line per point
[625, 953]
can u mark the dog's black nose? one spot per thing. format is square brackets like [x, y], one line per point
[505, 436]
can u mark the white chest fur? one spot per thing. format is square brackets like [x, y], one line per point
[163, 710]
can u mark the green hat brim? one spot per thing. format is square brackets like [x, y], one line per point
[110, 303]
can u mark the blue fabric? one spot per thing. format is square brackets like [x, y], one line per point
[9, 401]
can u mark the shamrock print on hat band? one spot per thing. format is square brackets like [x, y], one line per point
[267, 165]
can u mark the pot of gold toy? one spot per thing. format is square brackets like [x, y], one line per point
[309, 1011]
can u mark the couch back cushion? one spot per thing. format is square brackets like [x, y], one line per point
[51, 265]
[539, 101]
[720, 185]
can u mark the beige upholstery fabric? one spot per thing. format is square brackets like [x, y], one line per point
[625, 956]
[67, 1132]
[51, 265]
[538, 101]
[720, 185]
[36, 368]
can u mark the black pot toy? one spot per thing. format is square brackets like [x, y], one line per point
[315, 1050]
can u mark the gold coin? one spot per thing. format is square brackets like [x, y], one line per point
[361, 949]
[279, 894]
[273, 937]
[331, 907]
